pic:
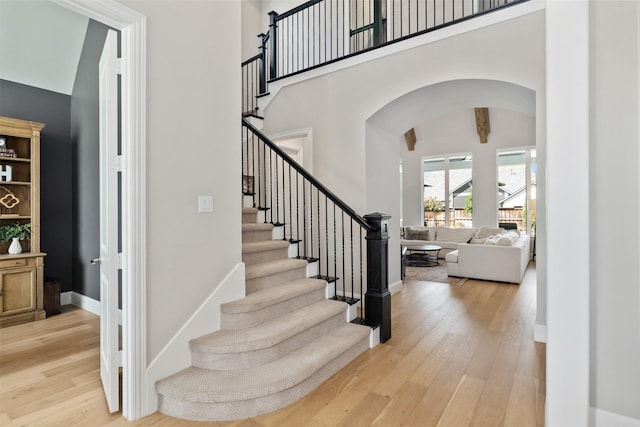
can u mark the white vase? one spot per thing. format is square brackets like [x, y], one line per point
[15, 247]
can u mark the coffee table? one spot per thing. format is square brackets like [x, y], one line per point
[422, 255]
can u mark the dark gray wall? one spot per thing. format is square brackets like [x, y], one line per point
[52, 109]
[85, 133]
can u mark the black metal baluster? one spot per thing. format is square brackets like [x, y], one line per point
[298, 212]
[362, 296]
[271, 185]
[305, 237]
[319, 232]
[284, 203]
[335, 244]
[351, 264]
[310, 243]
[326, 232]
[290, 209]
[344, 276]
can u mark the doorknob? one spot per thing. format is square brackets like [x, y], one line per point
[96, 261]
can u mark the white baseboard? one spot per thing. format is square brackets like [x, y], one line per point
[540, 333]
[84, 302]
[601, 418]
[396, 287]
[176, 355]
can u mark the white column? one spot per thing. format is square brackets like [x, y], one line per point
[567, 49]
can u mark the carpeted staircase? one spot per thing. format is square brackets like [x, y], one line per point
[275, 345]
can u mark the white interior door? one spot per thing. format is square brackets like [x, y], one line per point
[109, 343]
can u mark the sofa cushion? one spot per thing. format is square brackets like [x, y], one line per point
[485, 231]
[477, 241]
[508, 238]
[413, 233]
[452, 256]
[458, 235]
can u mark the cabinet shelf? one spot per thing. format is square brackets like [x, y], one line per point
[14, 159]
[21, 275]
[14, 183]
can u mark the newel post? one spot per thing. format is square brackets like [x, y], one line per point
[378, 298]
[273, 54]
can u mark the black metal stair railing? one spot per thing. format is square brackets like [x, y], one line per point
[350, 251]
[320, 32]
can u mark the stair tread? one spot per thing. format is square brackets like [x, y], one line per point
[256, 226]
[273, 267]
[265, 245]
[212, 386]
[249, 210]
[276, 294]
[268, 333]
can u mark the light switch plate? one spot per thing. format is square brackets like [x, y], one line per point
[205, 204]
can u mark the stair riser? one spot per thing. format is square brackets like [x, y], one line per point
[256, 236]
[249, 218]
[254, 318]
[265, 282]
[252, 407]
[243, 360]
[264, 256]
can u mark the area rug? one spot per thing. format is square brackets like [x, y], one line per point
[433, 274]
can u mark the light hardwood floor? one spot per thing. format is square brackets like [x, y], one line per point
[459, 355]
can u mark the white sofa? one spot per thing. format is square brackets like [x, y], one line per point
[447, 238]
[490, 261]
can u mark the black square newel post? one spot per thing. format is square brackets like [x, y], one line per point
[378, 298]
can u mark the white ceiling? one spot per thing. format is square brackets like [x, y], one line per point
[40, 44]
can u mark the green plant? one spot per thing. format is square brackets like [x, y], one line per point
[468, 204]
[9, 231]
[433, 205]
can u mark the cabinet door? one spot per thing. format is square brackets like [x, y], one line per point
[17, 290]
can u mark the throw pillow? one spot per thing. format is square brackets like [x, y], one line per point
[456, 235]
[412, 233]
[486, 231]
[476, 241]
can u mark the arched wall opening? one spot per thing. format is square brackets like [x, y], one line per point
[443, 116]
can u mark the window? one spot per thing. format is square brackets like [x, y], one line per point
[448, 185]
[517, 189]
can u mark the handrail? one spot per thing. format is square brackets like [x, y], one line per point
[308, 46]
[297, 9]
[328, 193]
[250, 60]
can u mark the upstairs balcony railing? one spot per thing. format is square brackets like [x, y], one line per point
[320, 32]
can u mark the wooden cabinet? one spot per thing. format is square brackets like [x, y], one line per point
[21, 275]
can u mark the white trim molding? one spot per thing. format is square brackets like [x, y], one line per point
[85, 303]
[133, 30]
[540, 333]
[176, 355]
[601, 418]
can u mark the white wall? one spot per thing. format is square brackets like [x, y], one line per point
[453, 133]
[614, 206]
[251, 26]
[341, 105]
[193, 148]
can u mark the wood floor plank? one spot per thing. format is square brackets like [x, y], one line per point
[366, 411]
[453, 348]
[429, 410]
[522, 406]
[400, 406]
[461, 407]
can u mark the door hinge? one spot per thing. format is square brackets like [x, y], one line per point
[117, 65]
[119, 163]
[119, 261]
[119, 358]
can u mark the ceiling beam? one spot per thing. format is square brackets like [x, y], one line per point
[482, 123]
[410, 138]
